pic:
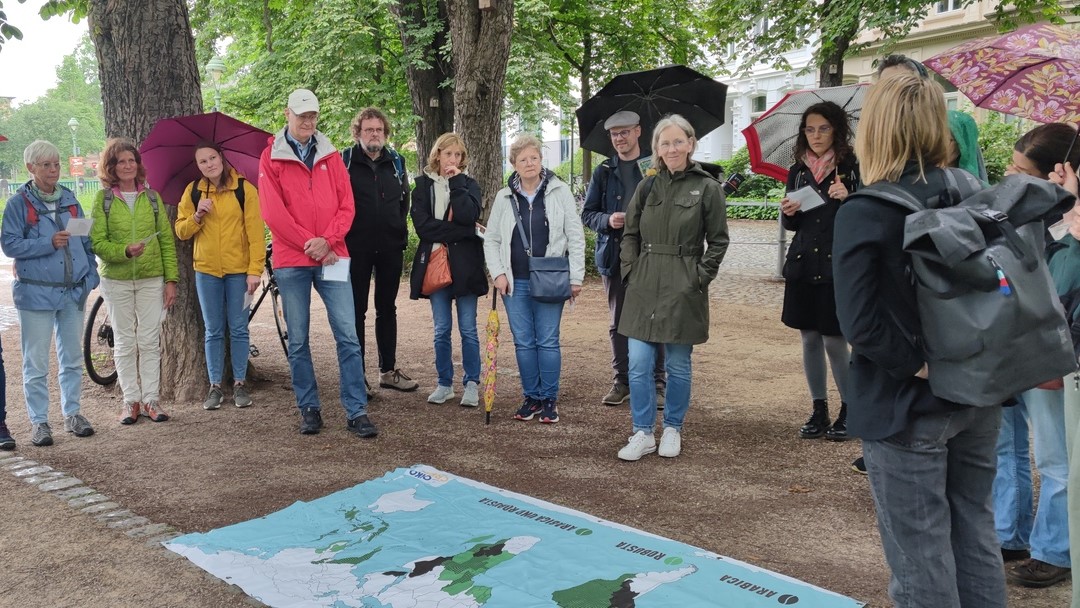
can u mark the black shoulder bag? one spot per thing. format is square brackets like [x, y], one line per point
[549, 277]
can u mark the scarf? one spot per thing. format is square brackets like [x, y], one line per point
[820, 166]
[441, 188]
[51, 199]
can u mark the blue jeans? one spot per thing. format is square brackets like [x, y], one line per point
[1014, 512]
[222, 298]
[37, 338]
[535, 326]
[1050, 534]
[643, 384]
[295, 286]
[443, 318]
[931, 488]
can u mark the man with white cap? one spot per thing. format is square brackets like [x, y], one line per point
[612, 186]
[306, 200]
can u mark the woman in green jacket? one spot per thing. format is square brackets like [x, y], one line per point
[667, 271]
[132, 236]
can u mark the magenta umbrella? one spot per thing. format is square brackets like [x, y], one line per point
[1033, 72]
[169, 150]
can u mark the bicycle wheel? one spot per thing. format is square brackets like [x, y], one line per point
[279, 320]
[98, 345]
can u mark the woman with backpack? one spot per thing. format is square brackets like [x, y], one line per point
[445, 209]
[1039, 538]
[221, 212]
[132, 236]
[930, 461]
[826, 164]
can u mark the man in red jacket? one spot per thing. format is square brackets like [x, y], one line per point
[307, 202]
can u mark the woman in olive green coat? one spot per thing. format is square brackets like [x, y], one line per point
[674, 240]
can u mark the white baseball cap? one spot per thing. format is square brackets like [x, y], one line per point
[302, 101]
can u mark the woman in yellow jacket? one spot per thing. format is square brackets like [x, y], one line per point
[229, 255]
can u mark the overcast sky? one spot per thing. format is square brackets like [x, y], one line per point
[28, 66]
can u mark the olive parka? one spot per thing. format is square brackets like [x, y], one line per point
[672, 247]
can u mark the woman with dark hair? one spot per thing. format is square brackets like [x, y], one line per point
[229, 254]
[132, 236]
[445, 209]
[825, 163]
[1038, 538]
[930, 461]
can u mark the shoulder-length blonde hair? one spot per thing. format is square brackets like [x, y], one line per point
[107, 164]
[902, 120]
[673, 120]
[445, 141]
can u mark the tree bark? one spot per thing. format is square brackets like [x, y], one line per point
[146, 60]
[432, 95]
[831, 60]
[481, 50]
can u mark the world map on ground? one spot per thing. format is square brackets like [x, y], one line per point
[423, 538]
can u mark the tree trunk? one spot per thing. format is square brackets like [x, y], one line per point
[586, 93]
[481, 50]
[432, 98]
[146, 60]
[831, 57]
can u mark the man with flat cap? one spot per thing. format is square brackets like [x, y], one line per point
[612, 186]
[307, 202]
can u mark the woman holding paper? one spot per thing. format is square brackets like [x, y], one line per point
[132, 236]
[54, 273]
[230, 251]
[824, 174]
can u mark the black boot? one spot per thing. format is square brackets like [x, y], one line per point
[838, 430]
[818, 422]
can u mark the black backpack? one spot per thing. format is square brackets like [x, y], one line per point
[992, 322]
[196, 193]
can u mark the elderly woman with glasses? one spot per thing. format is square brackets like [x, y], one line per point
[54, 273]
[132, 236]
[825, 165]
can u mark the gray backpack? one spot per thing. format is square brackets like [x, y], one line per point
[992, 322]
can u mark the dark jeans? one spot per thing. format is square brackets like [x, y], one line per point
[620, 352]
[387, 266]
[3, 388]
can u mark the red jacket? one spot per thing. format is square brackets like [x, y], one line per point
[299, 204]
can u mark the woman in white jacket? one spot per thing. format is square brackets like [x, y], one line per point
[548, 214]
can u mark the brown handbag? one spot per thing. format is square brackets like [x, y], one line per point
[437, 275]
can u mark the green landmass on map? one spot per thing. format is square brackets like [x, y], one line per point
[598, 593]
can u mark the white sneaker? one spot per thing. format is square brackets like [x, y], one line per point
[670, 442]
[471, 398]
[640, 444]
[441, 394]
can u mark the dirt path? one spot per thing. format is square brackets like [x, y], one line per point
[745, 486]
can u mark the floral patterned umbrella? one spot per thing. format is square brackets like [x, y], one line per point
[1033, 72]
[490, 350]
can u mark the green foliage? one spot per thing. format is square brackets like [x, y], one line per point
[755, 187]
[752, 211]
[566, 173]
[996, 140]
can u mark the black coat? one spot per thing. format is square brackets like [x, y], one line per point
[874, 290]
[465, 250]
[382, 204]
[809, 259]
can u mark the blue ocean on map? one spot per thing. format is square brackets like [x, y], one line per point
[419, 537]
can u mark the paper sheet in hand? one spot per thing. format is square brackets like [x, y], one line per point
[1059, 230]
[808, 197]
[248, 299]
[149, 238]
[338, 271]
[79, 226]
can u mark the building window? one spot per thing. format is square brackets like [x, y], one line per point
[952, 102]
[944, 6]
[757, 104]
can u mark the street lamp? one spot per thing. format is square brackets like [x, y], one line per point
[216, 67]
[74, 126]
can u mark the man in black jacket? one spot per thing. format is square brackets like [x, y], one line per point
[378, 236]
[612, 186]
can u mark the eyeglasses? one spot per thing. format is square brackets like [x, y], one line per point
[309, 117]
[372, 131]
[675, 143]
[622, 134]
[825, 130]
[48, 166]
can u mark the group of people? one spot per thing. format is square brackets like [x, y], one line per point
[339, 218]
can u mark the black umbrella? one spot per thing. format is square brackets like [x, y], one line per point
[653, 94]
